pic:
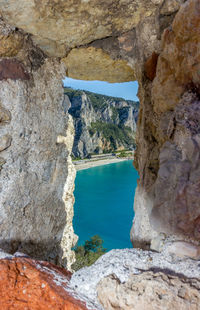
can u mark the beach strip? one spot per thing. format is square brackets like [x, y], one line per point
[81, 165]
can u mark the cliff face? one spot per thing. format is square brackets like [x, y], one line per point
[102, 123]
[36, 138]
[168, 135]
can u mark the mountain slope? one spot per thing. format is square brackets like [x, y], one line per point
[102, 123]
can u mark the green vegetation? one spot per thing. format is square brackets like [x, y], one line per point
[98, 101]
[114, 113]
[75, 158]
[124, 153]
[112, 130]
[72, 92]
[113, 133]
[88, 253]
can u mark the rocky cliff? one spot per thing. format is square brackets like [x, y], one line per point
[36, 138]
[102, 123]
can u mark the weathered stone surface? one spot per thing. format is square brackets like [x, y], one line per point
[30, 284]
[37, 182]
[170, 6]
[2, 162]
[154, 273]
[183, 249]
[167, 155]
[150, 66]
[59, 26]
[149, 290]
[11, 41]
[12, 69]
[5, 115]
[5, 142]
[157, 243]
[179, 62]
[94, 64]
[131, 32]
[176, 204]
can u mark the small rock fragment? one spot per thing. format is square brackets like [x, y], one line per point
[5, 115]
[5, 142]
[184, 249]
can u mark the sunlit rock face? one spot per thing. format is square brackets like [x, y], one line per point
[118, 41]
[57, 26]
[30, 284]
[149, 290]
[176, 100]
[135, 279]
[94, 64]
[168, 134]
[36, 172]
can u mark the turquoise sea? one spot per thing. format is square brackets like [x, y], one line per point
[104, 198]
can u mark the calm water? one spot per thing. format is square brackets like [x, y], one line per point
[104, 203]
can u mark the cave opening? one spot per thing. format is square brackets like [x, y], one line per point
[104, 116]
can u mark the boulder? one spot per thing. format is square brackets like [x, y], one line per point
[29, 284]
[149, 290]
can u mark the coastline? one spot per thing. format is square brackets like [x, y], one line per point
[82, 164]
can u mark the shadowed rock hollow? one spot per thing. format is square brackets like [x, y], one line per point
[155, 42]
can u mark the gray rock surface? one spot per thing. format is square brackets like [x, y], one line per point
[37, 175]
[150, 290]
[123, 264]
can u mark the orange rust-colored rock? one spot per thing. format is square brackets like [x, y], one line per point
[26, 284]
[150, 66]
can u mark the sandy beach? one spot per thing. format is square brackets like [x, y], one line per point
[82, 164]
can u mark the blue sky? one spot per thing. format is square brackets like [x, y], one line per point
[126, 90]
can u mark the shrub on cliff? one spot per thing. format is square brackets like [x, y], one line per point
[88, 253]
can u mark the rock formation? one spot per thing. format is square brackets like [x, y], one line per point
[29, 284]
[168, 292]
[153, 41]
[102, 123]
[168, 147]
[37, 175]
[134, 279]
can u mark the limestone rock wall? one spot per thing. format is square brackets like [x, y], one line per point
[168, 147]
[155, 42]
[36, 138]
[96, 118]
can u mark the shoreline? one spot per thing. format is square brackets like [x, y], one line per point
[101, 162]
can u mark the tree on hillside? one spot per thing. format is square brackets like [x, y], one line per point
[88, 253]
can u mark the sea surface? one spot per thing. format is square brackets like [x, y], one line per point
[104, 198]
